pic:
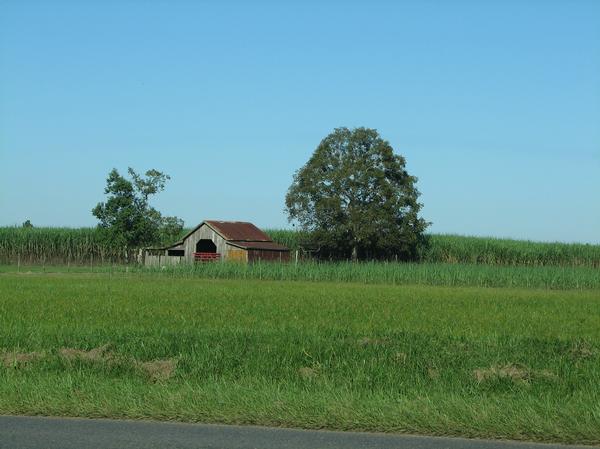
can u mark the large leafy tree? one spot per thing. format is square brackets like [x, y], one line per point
[126, 218]
[356, 198]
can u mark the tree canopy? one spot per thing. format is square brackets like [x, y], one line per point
[126, 217]
[356, 198]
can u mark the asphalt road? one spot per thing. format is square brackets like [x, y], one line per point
[17, 432]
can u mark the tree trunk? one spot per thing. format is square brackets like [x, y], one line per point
[354, 253]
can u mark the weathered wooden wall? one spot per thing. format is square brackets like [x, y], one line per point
[204, 232]
[236, 254]
[255, 255]
[162, 260]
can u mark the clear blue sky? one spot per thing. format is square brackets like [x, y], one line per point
[495, 105]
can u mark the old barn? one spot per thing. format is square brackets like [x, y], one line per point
[215, 240]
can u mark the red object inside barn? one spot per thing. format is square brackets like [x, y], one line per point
[207, 257]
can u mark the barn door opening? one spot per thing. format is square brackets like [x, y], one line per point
[206, 251]
[206, 246]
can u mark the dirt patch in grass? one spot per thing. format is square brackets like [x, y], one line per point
[400, 357]
[99, 354]
[15, 359]
[509, 371]
[154, 370]
[433, 373]
[581, 350]
[514, 372]
[158, 370]
[307, 372]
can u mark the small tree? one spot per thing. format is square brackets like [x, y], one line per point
[126, 218]
[170, 230]
[356, 198]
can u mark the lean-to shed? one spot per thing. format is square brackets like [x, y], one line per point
[215, 240]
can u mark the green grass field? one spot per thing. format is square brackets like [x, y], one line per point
[450, 275]
[518, 363]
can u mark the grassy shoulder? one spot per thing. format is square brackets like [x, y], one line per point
[452, 275]
[486, 362]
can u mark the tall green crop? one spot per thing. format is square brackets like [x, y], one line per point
[494, 251]
[56, 245]
[86, 245]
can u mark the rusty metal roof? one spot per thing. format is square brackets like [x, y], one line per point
[268, 246]
[238, 231]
